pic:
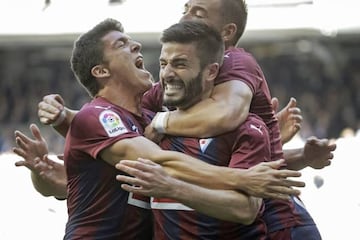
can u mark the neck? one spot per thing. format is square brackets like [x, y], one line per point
[123, 98]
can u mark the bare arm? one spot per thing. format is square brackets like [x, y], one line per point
[150, 179]
[317, 153]
[226, 109]
[262, 180]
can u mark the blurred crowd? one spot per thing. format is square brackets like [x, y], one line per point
[323, 75]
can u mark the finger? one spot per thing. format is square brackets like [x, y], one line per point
[293, 183]
[147, 161]
[275, 164]
[128, 179]
[20, 163]
[143, 165]
[21, 144]
[133, 189]
[291, 103]
[281, 190]
[294, 110]
[22, 137]
[19, 151]
[275, 104]
[287, 173]
[54, 100]
[133, 171]
[35, 132]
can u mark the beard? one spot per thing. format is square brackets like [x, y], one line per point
[192, 94]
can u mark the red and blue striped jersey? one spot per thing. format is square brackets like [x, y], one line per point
[98, 208]
[244, 147]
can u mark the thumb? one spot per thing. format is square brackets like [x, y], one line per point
[275, 104]
[291, 103]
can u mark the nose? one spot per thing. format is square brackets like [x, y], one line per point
[186, 17]
[166, 72]
[136, 46]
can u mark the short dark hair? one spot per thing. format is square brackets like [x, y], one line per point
[209, 43]
[88, 52]
[235, 11]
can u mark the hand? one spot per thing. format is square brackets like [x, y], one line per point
[289, 119]
[54, 174]
[318, 152]
[30, 149]
[266, 180]
[151, 134]
[149, 178]
[50, 108]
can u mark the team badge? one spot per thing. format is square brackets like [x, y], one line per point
[112, 123]
[204, 143]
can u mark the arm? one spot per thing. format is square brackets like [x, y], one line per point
[228, 107]
[51, 111]
[48, 177]
[316, 153]
[263, 180]
[289, 119]
[150, 179]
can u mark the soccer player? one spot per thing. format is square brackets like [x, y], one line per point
[109, 129]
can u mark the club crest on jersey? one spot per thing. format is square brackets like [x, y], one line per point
[204, 143]
[112, 123]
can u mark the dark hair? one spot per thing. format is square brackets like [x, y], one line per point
[88, 52]
[209, 43]
[235, 11]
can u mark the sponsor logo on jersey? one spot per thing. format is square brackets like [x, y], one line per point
[112, 123]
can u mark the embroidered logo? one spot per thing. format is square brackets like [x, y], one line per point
[204, 143]
[256, 128]
[112, 123]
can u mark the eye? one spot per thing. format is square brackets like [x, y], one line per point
[200, 14]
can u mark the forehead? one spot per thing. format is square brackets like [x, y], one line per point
[171, 51]
[114, 36]
[207, 5]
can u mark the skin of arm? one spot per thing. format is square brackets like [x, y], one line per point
[230, 101]
[316, 153]
[48, 177]
[150, 179]
[186, 168]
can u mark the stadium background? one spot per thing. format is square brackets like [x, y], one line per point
[308, 49]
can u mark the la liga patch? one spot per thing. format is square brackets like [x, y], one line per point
[112, 123]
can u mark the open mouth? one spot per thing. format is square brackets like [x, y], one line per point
[139, 63]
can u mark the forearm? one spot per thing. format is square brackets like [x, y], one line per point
[194, 171]
[222, 204]
[178, 165]
[48, 189]
[226, 109]
[63, 127]
[294, 159]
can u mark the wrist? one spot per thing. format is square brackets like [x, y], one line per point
[60, 119]
[161, 121]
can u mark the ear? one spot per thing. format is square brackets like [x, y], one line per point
[99, 71]
[213, 69]
[228, 32]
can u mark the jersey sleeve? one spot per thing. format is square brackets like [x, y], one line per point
[94, 129]
[153, 98]
[252, 145]
[240, 65]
